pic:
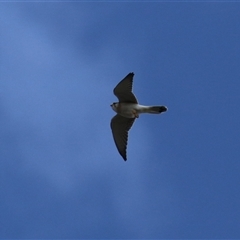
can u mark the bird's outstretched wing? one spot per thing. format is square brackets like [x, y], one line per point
[123, 90]
[120, 127]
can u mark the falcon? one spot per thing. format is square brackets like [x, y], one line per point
[127, 110]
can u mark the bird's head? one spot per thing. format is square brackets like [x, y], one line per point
[114, 106]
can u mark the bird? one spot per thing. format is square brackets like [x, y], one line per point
[127, 109]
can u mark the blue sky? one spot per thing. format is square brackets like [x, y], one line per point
[61, 175]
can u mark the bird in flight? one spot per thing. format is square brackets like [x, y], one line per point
[127, 110]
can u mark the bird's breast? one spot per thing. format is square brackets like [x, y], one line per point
[127, 109]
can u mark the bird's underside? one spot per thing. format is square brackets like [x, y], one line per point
[127, 110]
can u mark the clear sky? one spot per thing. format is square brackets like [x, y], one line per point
[61, 175]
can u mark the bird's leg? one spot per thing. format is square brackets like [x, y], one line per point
[136, 115]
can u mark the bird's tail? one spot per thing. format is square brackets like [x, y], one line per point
[157, 109]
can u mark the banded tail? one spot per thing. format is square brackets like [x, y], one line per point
[157, 109]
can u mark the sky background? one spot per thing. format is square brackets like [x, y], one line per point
[61, 175]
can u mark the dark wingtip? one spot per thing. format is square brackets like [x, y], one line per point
[131, 73]
[123, 155]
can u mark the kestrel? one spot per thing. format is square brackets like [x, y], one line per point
[127, 110]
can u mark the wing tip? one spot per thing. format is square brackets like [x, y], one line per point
[131, 73]
[124, 155]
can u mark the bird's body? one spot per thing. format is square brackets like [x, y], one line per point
[127, 110]
[132, 110]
